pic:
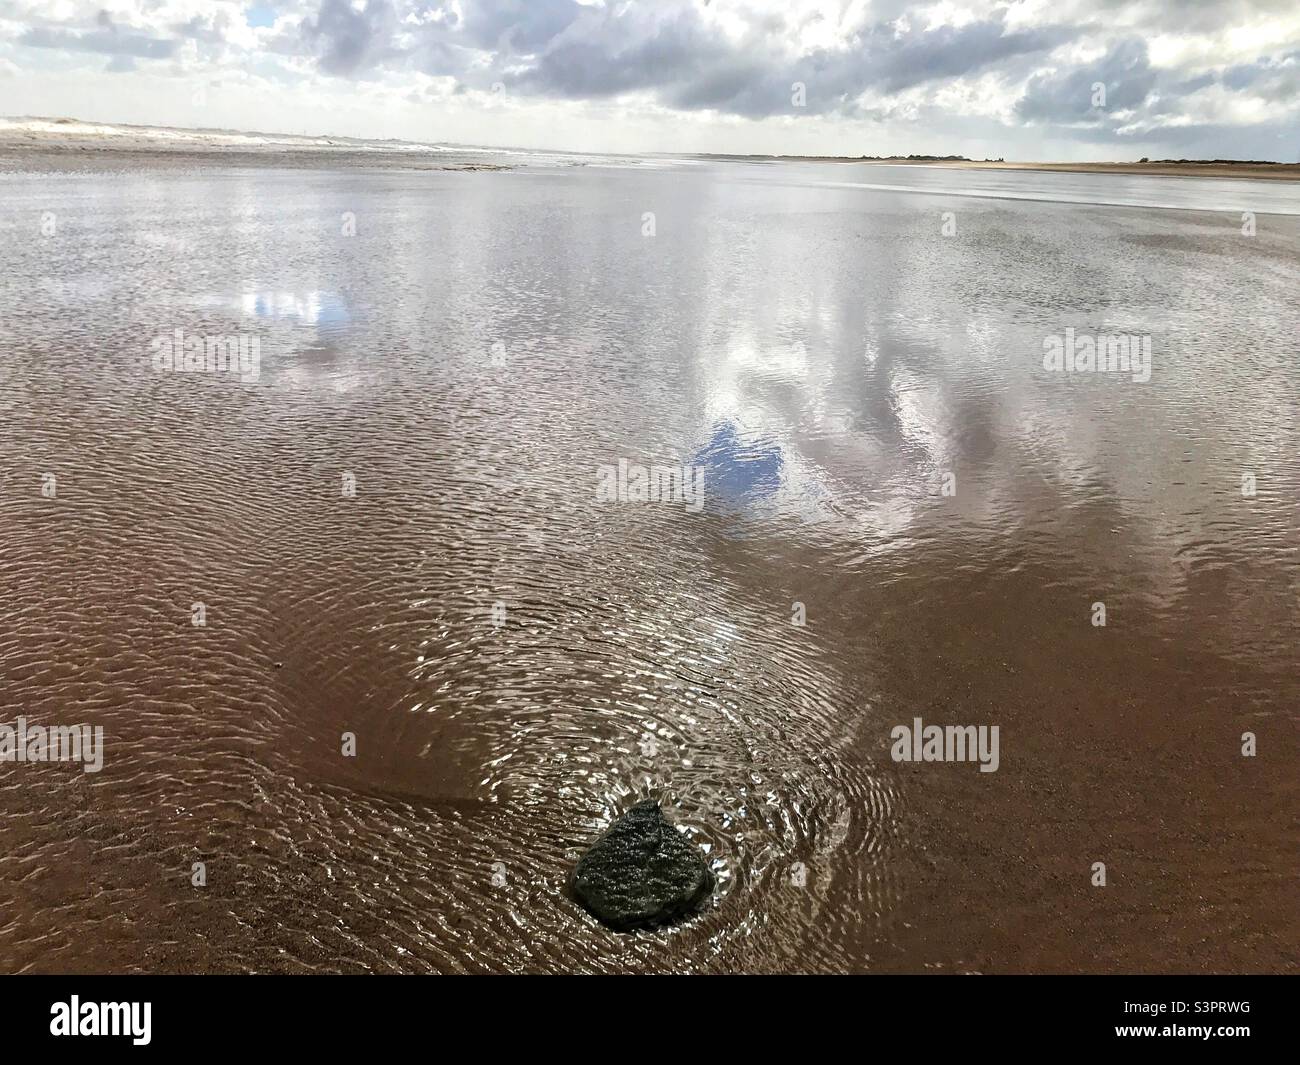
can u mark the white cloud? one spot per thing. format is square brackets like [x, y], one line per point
[950, 76]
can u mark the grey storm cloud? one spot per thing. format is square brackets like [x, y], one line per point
[694, 69]
[562, 49]
[1067, 96]
[210, 29]
[950, 52]
[346, 40]
[518, 27]
[1271, 78]
[110, 41]
[603, 54]
[678, 57]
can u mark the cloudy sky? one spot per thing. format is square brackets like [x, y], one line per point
[1182, 78]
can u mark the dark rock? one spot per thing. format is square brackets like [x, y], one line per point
[641, 872]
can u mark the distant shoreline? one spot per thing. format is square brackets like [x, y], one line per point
[1273, 171]
[69, 144]
[62, 140]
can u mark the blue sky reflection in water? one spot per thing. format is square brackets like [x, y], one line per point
[739, 472]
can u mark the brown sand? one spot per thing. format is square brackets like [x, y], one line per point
[1274, 171]
[483, 747]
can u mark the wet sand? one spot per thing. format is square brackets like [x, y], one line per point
[42, 159]
[827, 355]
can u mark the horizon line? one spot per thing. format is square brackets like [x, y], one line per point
[917, 156]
